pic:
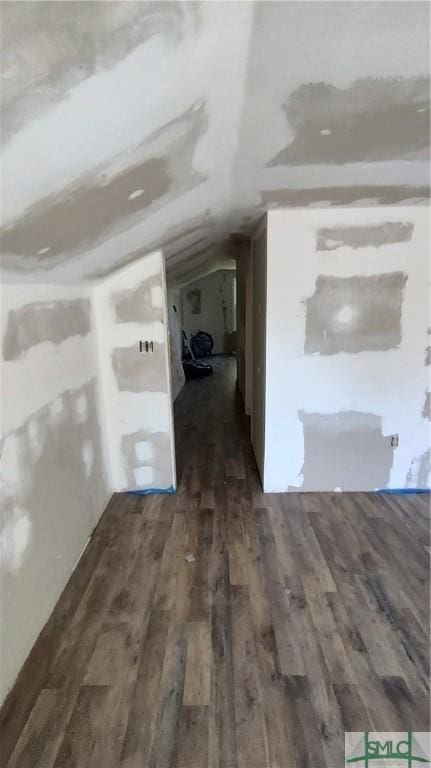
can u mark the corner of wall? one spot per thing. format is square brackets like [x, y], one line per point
[135, 377]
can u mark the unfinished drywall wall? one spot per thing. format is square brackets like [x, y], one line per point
[351, 314]
[346, 334]
[38, 322]
[175, 340]
[54, 478]
[330, 442]
[131, 311]
[209, 304]
[360, 237]
[258, 416]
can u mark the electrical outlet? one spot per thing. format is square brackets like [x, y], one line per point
[395, 441]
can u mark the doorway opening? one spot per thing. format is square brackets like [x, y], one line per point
[202, 312]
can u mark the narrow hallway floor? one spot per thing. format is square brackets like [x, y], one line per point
[299, 617]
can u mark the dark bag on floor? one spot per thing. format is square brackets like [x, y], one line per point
[196, 370]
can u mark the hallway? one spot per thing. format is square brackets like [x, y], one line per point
[299, 617]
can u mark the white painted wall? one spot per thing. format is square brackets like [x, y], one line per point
[54, 478]
[390, 383]
[143, 406]
[217, 314]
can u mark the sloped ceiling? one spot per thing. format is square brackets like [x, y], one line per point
[133, 126]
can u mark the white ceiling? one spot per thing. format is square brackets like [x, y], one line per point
[129, 126]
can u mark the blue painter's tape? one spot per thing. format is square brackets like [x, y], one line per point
[149, 491]
[403, 491]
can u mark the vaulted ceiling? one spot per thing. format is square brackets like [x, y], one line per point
[129, 126]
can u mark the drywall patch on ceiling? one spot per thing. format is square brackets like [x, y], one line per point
[49, 48]
[373, 195]
[140, 372]
[185, 60]
[143, 304]
[152, 467]
[98, 205]
[330, 442]
[44, 321]
[373, 119]
[362, 237]
[354, 314]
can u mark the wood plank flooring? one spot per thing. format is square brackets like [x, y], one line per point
[301, 616]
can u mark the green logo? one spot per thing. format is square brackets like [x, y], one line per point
[407, 749]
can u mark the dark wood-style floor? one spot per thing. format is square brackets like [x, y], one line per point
[301, 616]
